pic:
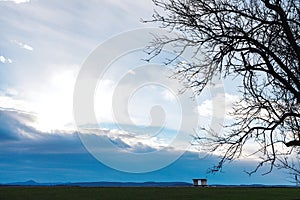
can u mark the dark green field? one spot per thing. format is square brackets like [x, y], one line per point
[164, 193]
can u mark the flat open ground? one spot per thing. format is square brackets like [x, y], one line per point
[133, 193]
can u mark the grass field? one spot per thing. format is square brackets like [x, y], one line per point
[164, 193]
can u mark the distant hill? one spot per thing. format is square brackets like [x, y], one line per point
[26, 183]
[103, 184]
[131, 184]
[29, 183]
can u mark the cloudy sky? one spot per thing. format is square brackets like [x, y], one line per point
[78, 103]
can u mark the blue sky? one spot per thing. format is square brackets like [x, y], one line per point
[44, 44]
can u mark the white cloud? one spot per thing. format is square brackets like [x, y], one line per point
[11, 103]
[23, 45]
[2, 59]
[17, 1]
[168, 96]
[5, 60]
[220, 105]
[131, 72]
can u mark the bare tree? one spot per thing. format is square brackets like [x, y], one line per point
[259, 41]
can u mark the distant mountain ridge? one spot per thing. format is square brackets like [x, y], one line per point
[102, 184]
[129, 184]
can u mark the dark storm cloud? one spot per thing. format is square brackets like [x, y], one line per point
[11, 125]
[17, 136]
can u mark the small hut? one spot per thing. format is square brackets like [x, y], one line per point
[200, 182]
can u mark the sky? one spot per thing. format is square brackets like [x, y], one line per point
[79, 103]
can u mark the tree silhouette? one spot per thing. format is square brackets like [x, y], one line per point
[259, 41]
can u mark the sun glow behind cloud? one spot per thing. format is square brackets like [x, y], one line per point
[54, 106]
[51, 104]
